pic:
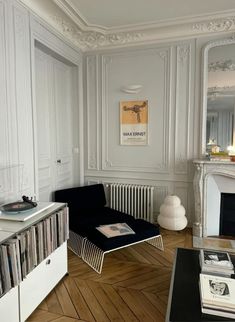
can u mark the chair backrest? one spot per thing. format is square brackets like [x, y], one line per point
[81, 198]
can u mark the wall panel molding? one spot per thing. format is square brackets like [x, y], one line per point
[23, 94]
[107, 61]
[160, 193]
[166, 56]
[11, 171]
[4, 79]
[185, 193]
[182, 108]
[92, 112]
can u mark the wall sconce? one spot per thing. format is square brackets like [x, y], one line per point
[131, 89]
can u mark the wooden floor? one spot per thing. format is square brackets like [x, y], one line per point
[133, 286]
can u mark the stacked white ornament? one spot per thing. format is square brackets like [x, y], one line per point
[172, 214]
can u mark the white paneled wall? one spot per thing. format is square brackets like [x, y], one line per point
[19, 30]
[119, 70]
[16, 159]
[167, 76]
[170, 75]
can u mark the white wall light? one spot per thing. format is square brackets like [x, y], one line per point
[131, 89]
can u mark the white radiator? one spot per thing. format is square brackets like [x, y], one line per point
[135, 200]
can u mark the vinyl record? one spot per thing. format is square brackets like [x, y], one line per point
[16, 207]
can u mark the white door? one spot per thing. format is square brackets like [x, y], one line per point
[53, 80]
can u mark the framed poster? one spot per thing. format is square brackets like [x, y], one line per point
[134, 122]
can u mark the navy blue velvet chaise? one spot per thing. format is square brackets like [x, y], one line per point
[88, 210]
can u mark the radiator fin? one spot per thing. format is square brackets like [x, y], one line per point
[135, 200]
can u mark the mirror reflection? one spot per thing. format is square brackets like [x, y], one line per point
[220, 97]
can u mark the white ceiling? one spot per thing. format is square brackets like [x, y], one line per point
[116, 14]
[93, 24]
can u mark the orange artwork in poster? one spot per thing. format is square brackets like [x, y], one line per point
[134, 122]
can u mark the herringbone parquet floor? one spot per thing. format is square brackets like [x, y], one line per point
[133, 286]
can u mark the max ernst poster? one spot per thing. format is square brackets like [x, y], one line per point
[134, 122]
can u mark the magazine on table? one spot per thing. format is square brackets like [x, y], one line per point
[216, 262]
[217, 295]
[114, 230]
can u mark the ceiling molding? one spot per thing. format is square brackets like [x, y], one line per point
[76, 16]
[91, 40]
[77, 30]
[88, 40]
[79, 19]
[216, 25]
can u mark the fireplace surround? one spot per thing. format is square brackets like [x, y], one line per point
[212, 178]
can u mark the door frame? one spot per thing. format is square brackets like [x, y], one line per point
[59, 46]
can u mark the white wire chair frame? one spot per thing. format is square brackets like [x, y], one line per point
[94, 256]
[75, 243]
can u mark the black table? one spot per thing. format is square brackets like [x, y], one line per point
[184, 299]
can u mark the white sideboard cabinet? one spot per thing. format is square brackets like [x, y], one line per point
[9, 306]
[20, 301]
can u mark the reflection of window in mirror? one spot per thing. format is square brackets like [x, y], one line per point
[220, 96]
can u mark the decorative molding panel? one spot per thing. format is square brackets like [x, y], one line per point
[23, 94]
[160, 193]
[92, 113]
[92, 38]
[64, 18]
[41, 33]
[183, 191]
[166, 56]
[216, 25]
[5, 110]
[110, 110]
[182, 108]
[183, 53]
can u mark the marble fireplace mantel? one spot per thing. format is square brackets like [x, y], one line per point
[211, 178]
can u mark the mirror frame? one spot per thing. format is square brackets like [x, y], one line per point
[206, 48]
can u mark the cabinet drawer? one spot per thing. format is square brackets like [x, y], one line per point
[9, 306]
[38, 284]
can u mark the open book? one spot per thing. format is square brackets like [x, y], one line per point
[114, 230]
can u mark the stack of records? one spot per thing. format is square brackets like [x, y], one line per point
[217, 295]
[214, 262]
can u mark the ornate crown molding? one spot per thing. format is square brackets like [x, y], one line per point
[216, 25]
[92, 39]
[63, 17]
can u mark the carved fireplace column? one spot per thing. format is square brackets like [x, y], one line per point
[198, 196]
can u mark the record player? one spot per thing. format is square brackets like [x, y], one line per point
[19, 206]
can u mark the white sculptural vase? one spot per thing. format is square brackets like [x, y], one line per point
[172, 214]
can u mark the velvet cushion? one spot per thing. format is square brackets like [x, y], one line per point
[83, 222]
[142, 229]
[82, 198]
